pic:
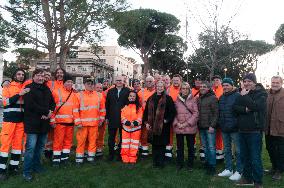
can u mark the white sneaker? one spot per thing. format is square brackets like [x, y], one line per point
[226, 173]
[236, 176]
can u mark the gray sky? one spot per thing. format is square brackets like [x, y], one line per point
[258, 19]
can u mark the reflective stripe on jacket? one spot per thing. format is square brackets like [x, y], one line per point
[128, 113]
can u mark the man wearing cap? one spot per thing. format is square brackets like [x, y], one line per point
[228, 125]
[218, 90]
[92, 115]
[250, 108]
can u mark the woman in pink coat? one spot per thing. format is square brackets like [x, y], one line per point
[185, 125]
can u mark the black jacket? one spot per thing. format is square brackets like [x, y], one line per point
[114, 104]
[38, 102]
[255, 101]
[169, 115]
[227, 118]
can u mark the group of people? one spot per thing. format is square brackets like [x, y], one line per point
[41, 113]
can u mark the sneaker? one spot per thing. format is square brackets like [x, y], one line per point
[244, 182]
[27, 177]
[226, 173]
[236, 176]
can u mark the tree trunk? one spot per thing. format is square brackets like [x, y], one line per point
[62, 57]
[52, 60]
[145, 60]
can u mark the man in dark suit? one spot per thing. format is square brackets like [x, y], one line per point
[116, 99]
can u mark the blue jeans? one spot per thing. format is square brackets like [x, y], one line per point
[209, 142]
[251, 148]
[229, 139]
[34, 148]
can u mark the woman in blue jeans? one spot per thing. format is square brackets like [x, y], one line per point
[228, 124]
[39, 105]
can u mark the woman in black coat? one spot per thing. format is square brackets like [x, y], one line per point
[158, 118]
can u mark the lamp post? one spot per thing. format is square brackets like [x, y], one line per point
[225, 71]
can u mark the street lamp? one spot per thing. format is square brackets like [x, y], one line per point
[225, 70]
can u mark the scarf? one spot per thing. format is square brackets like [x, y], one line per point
[156, 119]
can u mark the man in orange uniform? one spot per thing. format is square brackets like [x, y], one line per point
[131, 119]
[102, 128]
[53, 85]
[144, 94]
[173, 91]
[92, 115]
[218, 90]
[12, 128]
[63, 118]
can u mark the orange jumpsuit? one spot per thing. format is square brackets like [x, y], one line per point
[144, 95]
[101, 133]
[53, 85]
[63, 121]
[219, 141]
[92, 113]
[131, 130]
[173, 92]
[12, 127]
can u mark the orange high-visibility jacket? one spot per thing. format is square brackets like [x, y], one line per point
[55, 84]
[68, 113]
[91, 108]
[173, 92]
[13, 103]
[218, 91]
[128, 113]
[144, 95]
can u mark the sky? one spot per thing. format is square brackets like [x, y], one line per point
[257, 19]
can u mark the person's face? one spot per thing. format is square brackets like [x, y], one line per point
[167, 81]
[59, 74]
[137, 85]
[276, 84]
[227, 87]
[119, 81]
[184, 90]
[216, 82]
[20, 76]
[89, 86]
[99, 88]
[157, 78]
[160, 87]
[105, 84]
[176, 81]
[149, 83]
[248, 84]
[203, 89]
[197, 83]
[132, 97]
[39, 78]
[68, 85]
[47, 76]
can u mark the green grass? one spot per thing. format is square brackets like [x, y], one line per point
[114, 174]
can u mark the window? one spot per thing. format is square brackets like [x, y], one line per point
[73, 69]
[117, 69]
[104, 52]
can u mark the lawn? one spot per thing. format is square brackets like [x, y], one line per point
[114, 174]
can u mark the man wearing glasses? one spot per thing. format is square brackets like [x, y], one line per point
[116, 99]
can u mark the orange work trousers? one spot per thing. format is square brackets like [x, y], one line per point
[129, 146]
[219, 144]
[12, 135]
[87, 134]
[101, 137]
[63, 138]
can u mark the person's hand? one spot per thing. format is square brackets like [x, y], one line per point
[247, 109]
[244, 92]
[148, 127]
[24, 91]
[53, 125]
[211, 130]
[44, 117]
[49, 114]
[79, 126]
